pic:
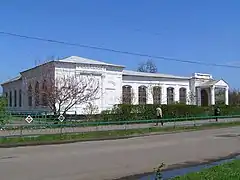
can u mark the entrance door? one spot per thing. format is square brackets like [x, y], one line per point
[204, 97]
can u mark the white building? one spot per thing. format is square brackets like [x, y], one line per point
[116, 85]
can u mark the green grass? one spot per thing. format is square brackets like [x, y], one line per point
[51, 138]
[226, 171]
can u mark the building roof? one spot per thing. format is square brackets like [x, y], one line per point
[81, 60]
[12, 80]
[136, 73]
[214, 82]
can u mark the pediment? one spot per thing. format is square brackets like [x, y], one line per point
[221, 83]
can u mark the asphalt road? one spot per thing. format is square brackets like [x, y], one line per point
[116, 158]
[109, 127]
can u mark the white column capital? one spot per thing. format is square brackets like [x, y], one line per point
[212, 87]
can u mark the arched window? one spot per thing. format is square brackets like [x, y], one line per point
[15, 98]
[10, 98]
[6, 94]
[20, 98]
[30, 95]
[157, 95]
[44, 93]
[170, 95]
[142, 95]
[37, 99]
[127, 94]
[183, 95]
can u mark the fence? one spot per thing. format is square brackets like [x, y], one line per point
[39, 125]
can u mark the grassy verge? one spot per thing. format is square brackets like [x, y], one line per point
[99, 135]
[226, 171]
[51, 124]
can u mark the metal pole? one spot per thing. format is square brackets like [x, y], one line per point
[21, 131]
[61, 129]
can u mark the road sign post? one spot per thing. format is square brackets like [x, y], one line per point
[28, 119]
[61, 118]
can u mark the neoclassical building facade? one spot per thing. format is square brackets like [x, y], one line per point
[117, 85]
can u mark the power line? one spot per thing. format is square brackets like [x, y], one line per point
[116, 51]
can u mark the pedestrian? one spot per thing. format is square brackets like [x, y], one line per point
[216, 112]
[159, 115]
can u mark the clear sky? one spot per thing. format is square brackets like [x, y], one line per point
[203, 30]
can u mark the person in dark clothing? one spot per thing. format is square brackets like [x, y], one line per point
[216, 112]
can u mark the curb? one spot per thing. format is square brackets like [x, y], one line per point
[103, 139]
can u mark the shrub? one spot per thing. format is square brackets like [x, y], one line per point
[3, 106]
[123, 112]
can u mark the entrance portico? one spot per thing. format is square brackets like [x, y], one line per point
[206, 92]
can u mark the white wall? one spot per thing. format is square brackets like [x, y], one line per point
[150, 82]
[112, 85]
[11, 87]
[30, 76]
[109, 79]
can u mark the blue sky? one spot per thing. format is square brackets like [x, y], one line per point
[206, 31]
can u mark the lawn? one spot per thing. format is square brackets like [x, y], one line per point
[226, 171]
[98, 135]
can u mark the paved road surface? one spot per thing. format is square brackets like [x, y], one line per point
[110, 127]
[112, 159]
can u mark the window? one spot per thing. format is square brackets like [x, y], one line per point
[6, 95]
[170, 95]
[20, 98]
[37, 100]
[15, 98]
[10, 99]
[142, 95]
[183, 95]
[30, 95]
[156, 95]
[126, 94]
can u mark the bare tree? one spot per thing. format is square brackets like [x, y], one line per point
[148, 66]
[234, 97]
[60, 91]
[191, 97]
[90, 109]
[155, 92]
[219, 96]
[127, 97]
[68, 91]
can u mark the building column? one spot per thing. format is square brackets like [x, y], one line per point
[199, 97]
[212, 94]
[226, 96]
[176, 94]
[149, 95]
[163, 95]
[135, 94]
